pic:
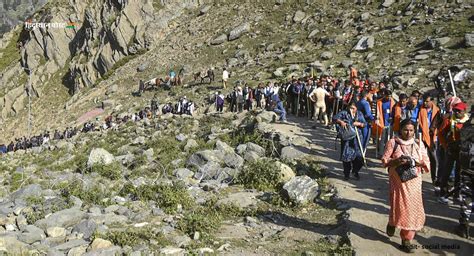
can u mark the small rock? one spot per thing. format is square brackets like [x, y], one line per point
[469, 40]
[180, 137]
[299, 16]
[326, 55]
[422, 57]
[313, 33]
[183, 173]
[190, 144]
[365, 16]
[219, 39]
[142, 67]
[204, 10]
[100, 243]
[365, 43]
[387, 3]
[56, 232]
[239, 31]
[172, 251]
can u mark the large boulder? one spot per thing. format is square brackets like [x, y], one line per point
[32, 190]
[266, 116]
[238, 31]
[301, 189]
[100, 156]
[65, 218]
[365, 43]
[240, 199]
[31, 234]
[291, 153]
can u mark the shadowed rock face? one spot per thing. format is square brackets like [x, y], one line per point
[14, 12]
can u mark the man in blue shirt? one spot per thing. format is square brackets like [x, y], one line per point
[279, 108]
[364, 107]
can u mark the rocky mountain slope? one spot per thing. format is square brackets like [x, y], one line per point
[116, 43]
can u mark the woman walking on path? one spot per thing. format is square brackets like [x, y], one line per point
[406, 203]
[351, 153]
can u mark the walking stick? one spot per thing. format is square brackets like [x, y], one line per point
[307, 106]
[360, 146]
[452, 83]
[298, 104]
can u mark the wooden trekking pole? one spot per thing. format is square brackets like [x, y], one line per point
[307, 106]
[298, 104]
[452, 83]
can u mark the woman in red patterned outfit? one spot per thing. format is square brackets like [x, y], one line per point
[406, 203]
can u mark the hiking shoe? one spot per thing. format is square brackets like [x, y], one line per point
[407, 247]
[346, 177]
[356, 176]
[390, 230]
[437, 190]
[443, 200]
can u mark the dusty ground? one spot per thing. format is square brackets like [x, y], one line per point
[368, 199]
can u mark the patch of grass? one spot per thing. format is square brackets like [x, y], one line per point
[203, 220]
[168, 197]
[133, 237]
[10, 53]
[167, 149]
[111, 171]
[91, 195]
[261, 175]
[18, 180]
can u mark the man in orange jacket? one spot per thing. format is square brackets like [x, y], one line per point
[400, 112]
[449, 138]
[381, 126]
[429, 118]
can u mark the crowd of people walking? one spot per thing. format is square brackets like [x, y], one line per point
[413, 134]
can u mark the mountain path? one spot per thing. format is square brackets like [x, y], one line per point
[369, 203]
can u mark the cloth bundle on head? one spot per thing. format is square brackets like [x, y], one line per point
[461, 106]
[450, 102]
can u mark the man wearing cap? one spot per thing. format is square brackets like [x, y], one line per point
[449, 138]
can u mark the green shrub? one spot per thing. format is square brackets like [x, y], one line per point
[261, 175]
[110, 171]
[92, 195]
[203, 220]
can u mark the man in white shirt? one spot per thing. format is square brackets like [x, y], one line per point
[225, 77]
[318, 97]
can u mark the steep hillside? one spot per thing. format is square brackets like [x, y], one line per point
[258, 41]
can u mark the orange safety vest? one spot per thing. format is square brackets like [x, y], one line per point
[423, 123]
[377, 129]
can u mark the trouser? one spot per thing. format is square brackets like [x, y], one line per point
[220, 108]
[354, 166]
[282, 114]
[384, 138]
[320, 109]
[452, 161]
[233, 106]
[240, 106]
[248, 104]
[294, 107]
[311, 109]
[432, 155]
[366, 131]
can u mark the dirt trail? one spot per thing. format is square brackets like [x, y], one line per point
[368, 201]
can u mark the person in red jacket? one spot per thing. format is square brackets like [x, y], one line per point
[449, 138]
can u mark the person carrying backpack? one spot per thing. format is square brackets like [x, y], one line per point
[219, 102]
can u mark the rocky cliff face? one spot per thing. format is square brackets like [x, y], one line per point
[103, 33]
[14, 12]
